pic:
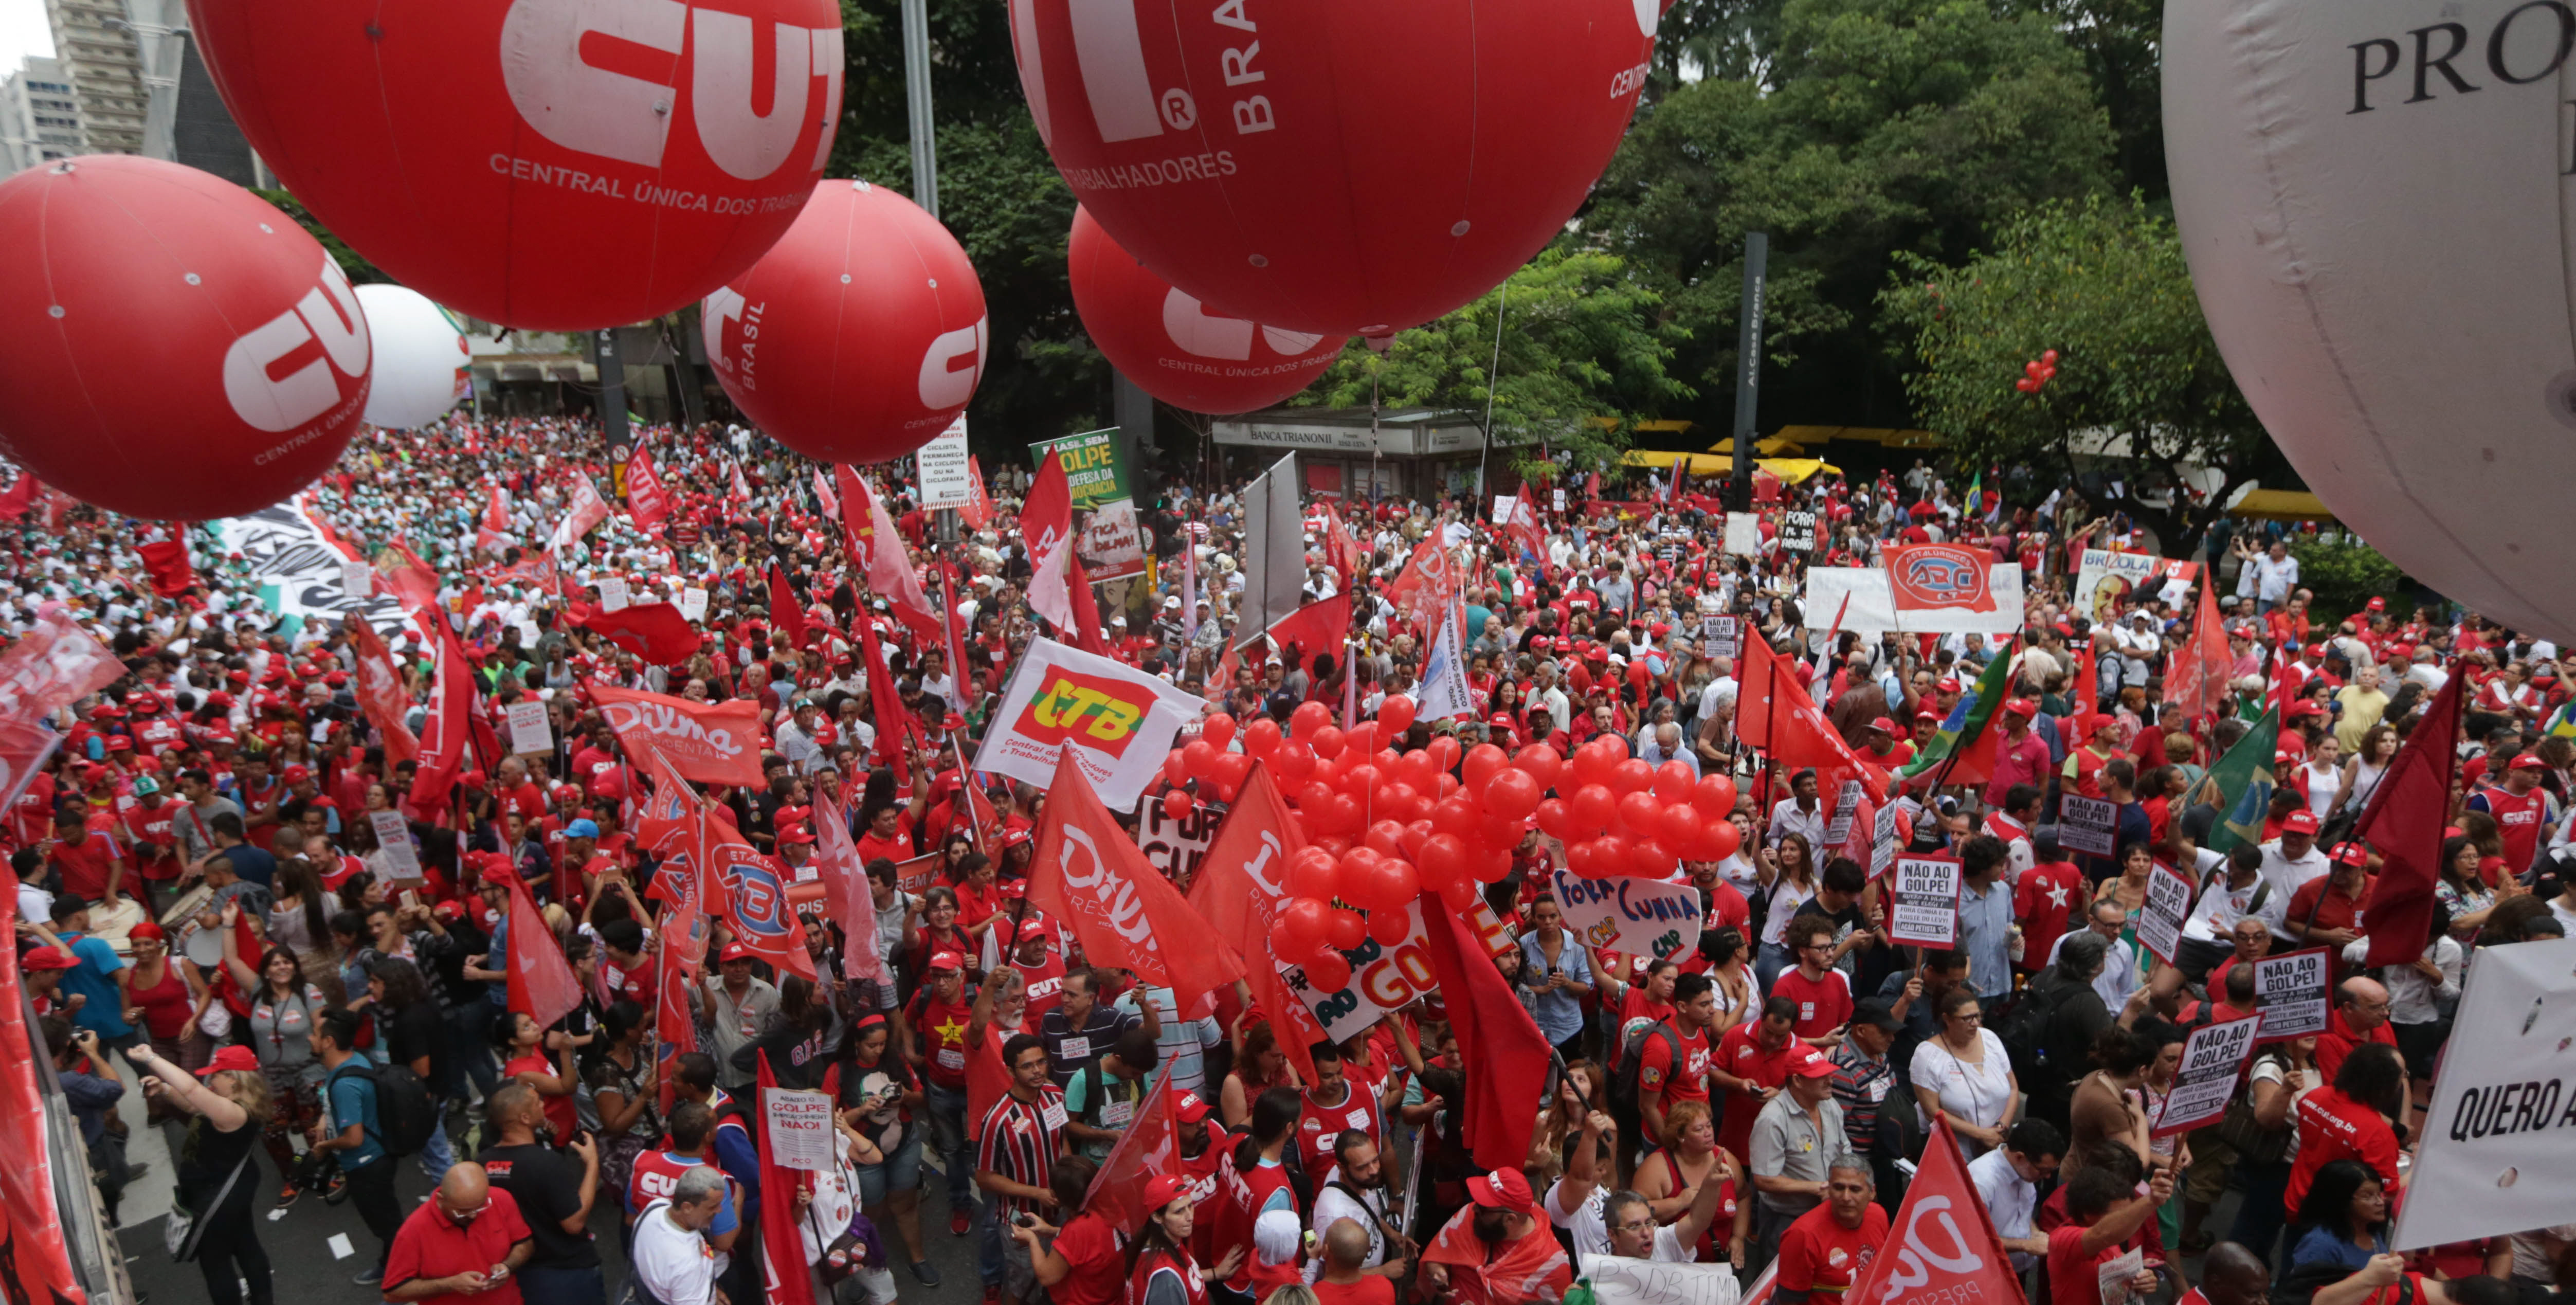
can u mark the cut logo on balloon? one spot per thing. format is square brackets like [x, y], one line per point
[328, 316]
[1198, 331]
[945, 384]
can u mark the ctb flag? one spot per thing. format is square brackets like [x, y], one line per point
[1113, 721]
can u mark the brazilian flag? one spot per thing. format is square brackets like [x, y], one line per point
[2240, 786]
[1967, 721]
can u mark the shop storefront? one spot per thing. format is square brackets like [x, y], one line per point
[1419, 453]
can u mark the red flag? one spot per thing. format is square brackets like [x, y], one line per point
[412, 583]
[880, 549]
[747, 890]
[1495, 1035]
[1942, 1243]
[1149, 1149]
[2404, 822]
[781, 1243]
[675, 979]
[1240, 890]
[448, 746]
[1348, 557]
[894, 722]
[646, 501]
[53, 665]
[845, 890]
[712, 743]
[987, 1080]
[2196, 680]
[1315, 628]
[1086, 612]
[1763, 677]
[1422, 592]
[540, 984]
[381, 694]
[1939, 577]
[496, 512]
[823, 495]
[978, 511]
[32, 1259]
[655, 632]
[166, 561]
[784, 613]
[588, 509]
[1046, 515]
[1089, 873]
[21, 496]
[741, 492]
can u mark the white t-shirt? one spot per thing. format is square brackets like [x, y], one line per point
[676, 1264]
[1978, 1092]
[1591, 1232]
[2287, 877]
[1333, 1205]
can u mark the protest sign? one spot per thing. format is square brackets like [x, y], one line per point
[1798, 530]
[2103, 579]
[1838, 827]
[1865, 599]
[693, 603]
[357, 578]
[1638, 917]
[1176, 846]
[530, 731]
[946, 481]
[1112, 545]
[800, 1128]
[2168, 904]
[1719, 636]
[1092, 473]
[1114, 720]
[1617, 1280]
[1560, 500]
[2212, 1058]
[1927, 902]
[1743, 532]
[2290, 994]
[1386, 978]
[393, 834]
[613, 595]
[2084, 824]
[2497, 1153]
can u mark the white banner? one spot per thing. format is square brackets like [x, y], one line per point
[800, 1129]
[2497, 1155]
[1873, 604]
[530, 731]
[402, 860]
[1638, 917]
[693, 604]
[1743, 533]
[1118, 721]
[1617, 1280]
[299, 573]
[946, 482]
[1445, 694]
[2103, 578]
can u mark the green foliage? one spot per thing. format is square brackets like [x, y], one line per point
[2347, 573]
[1864, 128]
[1581, 339]
[2103, 282]
[352, 263]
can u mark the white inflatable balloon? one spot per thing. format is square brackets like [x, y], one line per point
[420, 358]
[2374, 196]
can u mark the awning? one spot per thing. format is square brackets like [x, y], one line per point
[1771, 447]
[1794, 470]
[2280, 505]
[1908, 439]
[1698, 464]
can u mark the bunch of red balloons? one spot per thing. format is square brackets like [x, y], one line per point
[1383, 826]
[2037, 372]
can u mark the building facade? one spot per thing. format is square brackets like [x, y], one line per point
[1351, 453]
[137, 86]
[39, 119]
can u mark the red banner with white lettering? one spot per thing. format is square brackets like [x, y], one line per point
[1942, 1243]
[1090, 874]
[381, 694]
[55, 664]
[646, 501]
[34, 1267]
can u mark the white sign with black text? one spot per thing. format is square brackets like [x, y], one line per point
[2498, 1148]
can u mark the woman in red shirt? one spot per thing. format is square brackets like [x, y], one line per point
[523, 1048]
[1083, 1265]
[939, 932]
[1159, 1268]
[2348, 1119]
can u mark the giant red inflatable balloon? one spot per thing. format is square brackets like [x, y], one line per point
[540, 163]
[171, 346]
[1172, 346]
[1338, 166]
[860, 337]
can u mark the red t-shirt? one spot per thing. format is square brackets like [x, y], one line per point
[432, 1245]
[1656, 1074]
[2042, 900]
[942, 1028]
[1823, 1003]
[1740, 1054]
[1369, 1290]
[1820, 1255]
[2333, 1126]
[1099, 1268]
[2332, 910]
[2338, 1041]
[85, 868]
[2071, 1277]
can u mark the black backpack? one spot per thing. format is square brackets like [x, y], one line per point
[405, 1116]
[1623, 1080]
[2023, 1026]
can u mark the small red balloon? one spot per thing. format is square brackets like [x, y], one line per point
[1640, 813]
[1555, 818]
[1386, 838]
[1512, 793]
[1199, 759]
[1261, 737]
[1594, 807]
[1542, 763]
[1311, 717]
[1311, 873]
[1652, 859]
[1681, 826]
[1344, 929]
[1176, 768]
[1218, 730]
[1483, 761]
[1721, 840]
[1294, 761]
[1176, 805]
[1674, 781]
[1328, 973]
[1389, 928]
[1395, 715]
[1454, 815]
[1443, 858]
[1328, 740]
[1714, 795]
[1632, 776]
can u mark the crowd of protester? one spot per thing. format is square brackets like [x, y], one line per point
[203, 897]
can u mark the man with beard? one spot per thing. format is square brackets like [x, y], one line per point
[1497, 1251]
[1356, 1190]
[1206, 1168]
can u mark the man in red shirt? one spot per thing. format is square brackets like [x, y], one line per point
[2520, 807]
[89, 861]
[1823, 993]
[1824, 1253]
[2047, 895]
[1752, 1061]
[2359, 1018]
[2021, 756]
[1673, 1063]
[2101, 1214]
[2326, 911]
[939, 1018]
[464, 1244]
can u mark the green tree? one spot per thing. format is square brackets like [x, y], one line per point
[1865, 127]
[1582, 340]
[352, 263]
[2103, 282]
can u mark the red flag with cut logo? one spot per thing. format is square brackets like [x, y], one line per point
[782, 1243]
[735, 882]
[2405, 822]
[712, 743]
[1939, 578]
[978, 511]
[1422, 591]
[448, 747]
[881, 556]
[541, 985]
[1149, 1149]
[381, 694]
[1090, 874]
[1942, 1244]
[1240, 891]
[823, 495]
[1495, 1034]
[894, 721]
[588, 510]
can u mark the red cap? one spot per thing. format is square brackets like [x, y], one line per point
[2022, 707]
[45, 958]
[235, 1057]
[2300, 822]
[1948, 684]
[938, 960]
[146, 704]
[451, 910]
[1163, 1189]
[1928, 714]
[296, 775]
[1504, 1189]
[1883, 725]
[2529, 761]
[738, 952]
[2376, 605]
[2349, 853]
[1816, 1065]
[119, 743]
[1190, 1109]
[796, 836]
